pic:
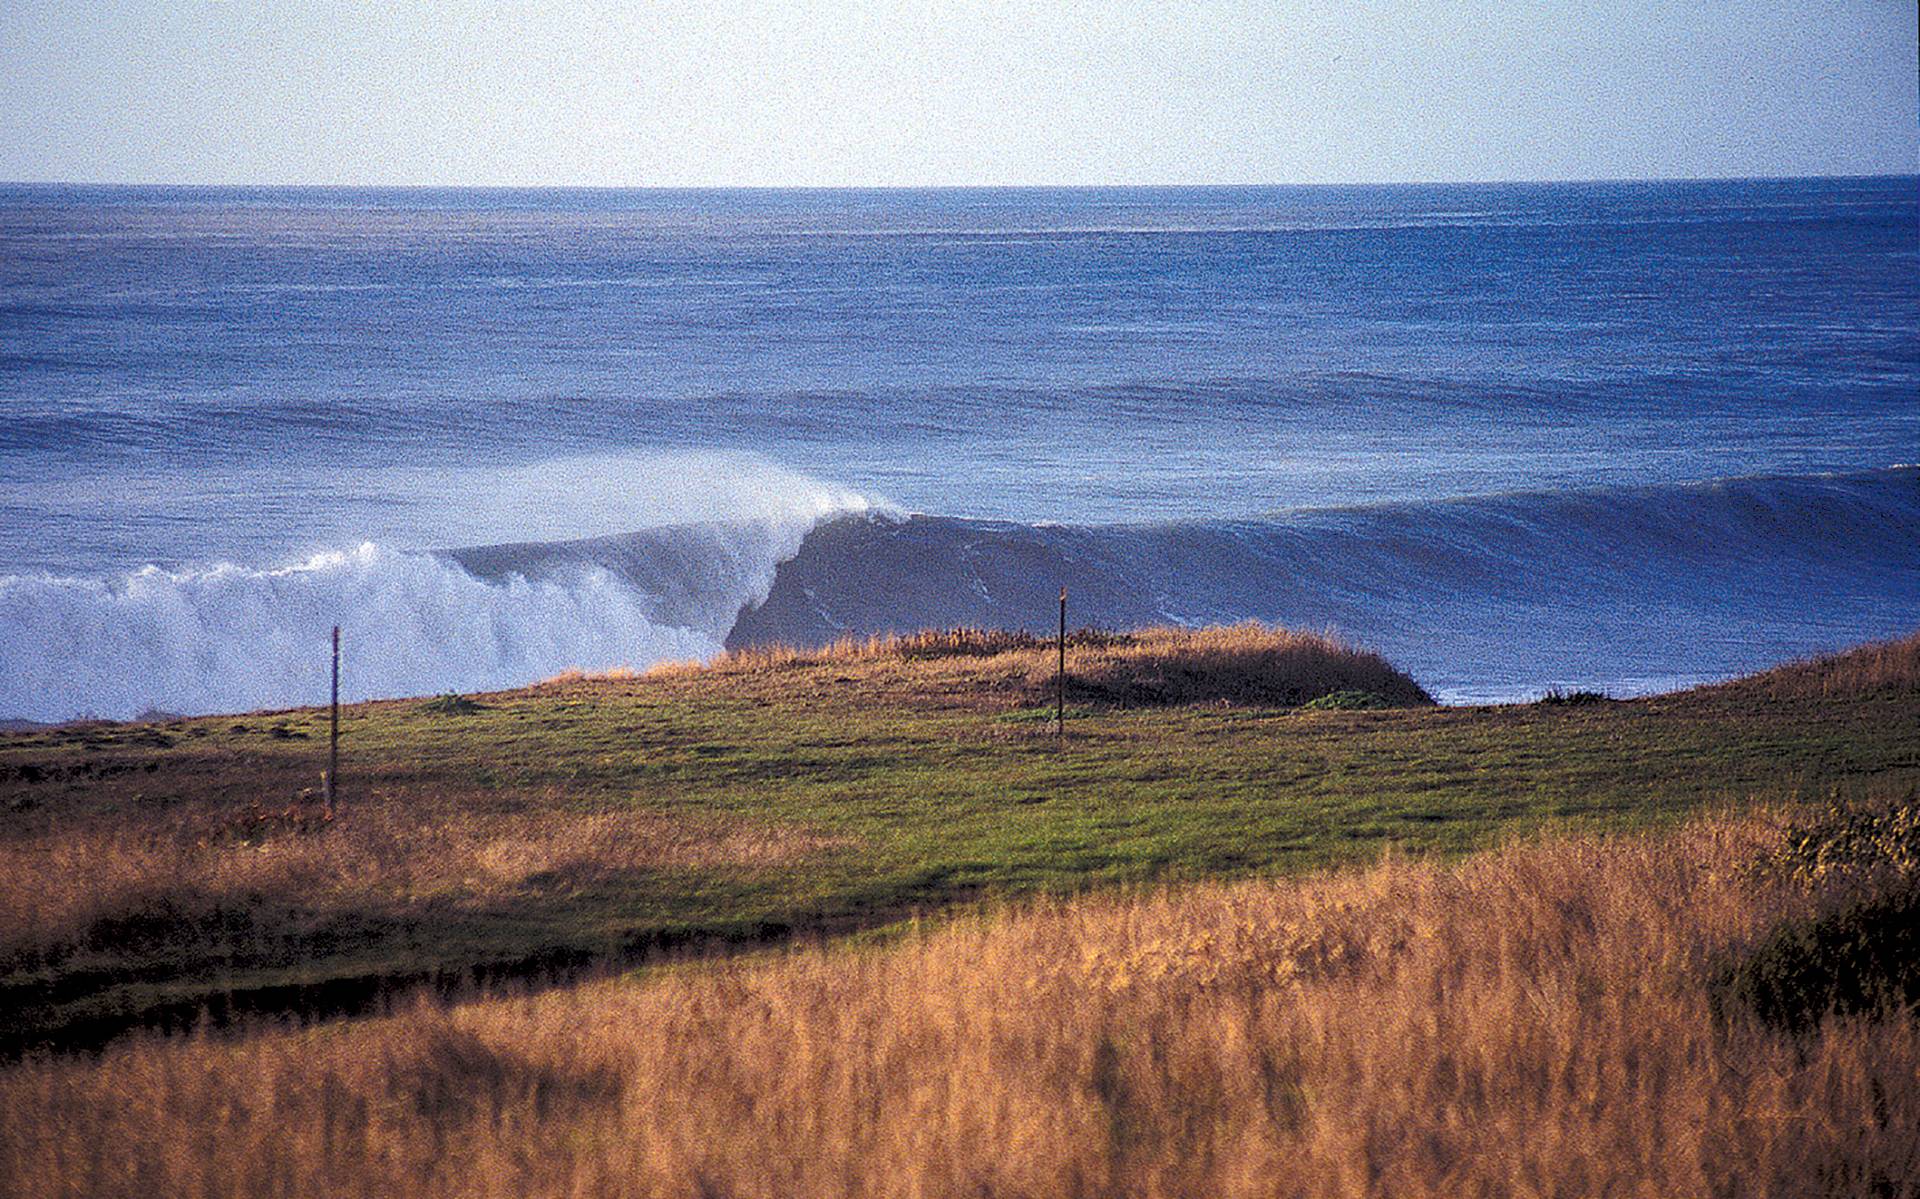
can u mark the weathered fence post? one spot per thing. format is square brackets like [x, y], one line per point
[333, 727]
[1060, 676]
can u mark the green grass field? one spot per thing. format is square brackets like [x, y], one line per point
[156, 870]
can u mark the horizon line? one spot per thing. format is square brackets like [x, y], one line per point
[133, 185]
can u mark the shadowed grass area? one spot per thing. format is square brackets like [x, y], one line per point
[1862, 959]
[149, 869]
[1861, 954]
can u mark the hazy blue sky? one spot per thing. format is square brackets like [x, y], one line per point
[482, 91]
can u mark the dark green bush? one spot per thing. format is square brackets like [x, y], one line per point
[451, 705]
[1863, 958]
[1556, 696]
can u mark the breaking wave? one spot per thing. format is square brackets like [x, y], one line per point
[1627, 589]
[233, 638]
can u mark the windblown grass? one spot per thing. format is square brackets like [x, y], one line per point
[1533, 1021]
[575, 674]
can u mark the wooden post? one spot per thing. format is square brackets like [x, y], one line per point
[333, 729]
[1060, 678]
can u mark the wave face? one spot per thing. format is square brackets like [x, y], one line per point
[1629, 590]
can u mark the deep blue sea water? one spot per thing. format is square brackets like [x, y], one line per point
[1624, 436]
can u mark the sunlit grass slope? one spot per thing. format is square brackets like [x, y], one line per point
[1882, 667]
[150, 871]
[1540, 1020]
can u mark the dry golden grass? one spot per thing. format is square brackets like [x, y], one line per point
[1879, 666]
[574, 674]
[72, 881]
[1247, 663]
[1530, 1022]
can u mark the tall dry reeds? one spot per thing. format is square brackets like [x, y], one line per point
[1531, 1022]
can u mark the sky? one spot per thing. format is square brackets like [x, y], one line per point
[501, 92]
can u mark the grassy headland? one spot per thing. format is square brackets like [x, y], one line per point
[149, 872]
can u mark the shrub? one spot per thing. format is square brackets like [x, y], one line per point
[451, 705]
[1555, 695]
[1874, 842]
[1250, 665]
[1864, 958]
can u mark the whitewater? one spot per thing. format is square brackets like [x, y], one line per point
[1625, 437]
[230, 637]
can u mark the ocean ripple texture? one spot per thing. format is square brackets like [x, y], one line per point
[1617, 436]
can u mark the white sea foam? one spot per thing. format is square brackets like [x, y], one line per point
[229, 637]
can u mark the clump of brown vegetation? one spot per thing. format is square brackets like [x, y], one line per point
[1251, 664]
[1243, 664]
[1533, 1021]
[1891, 666]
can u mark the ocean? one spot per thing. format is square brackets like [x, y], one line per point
[1623, 436]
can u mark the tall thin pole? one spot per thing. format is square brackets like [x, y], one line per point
[1060, 676]
[333, 730]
